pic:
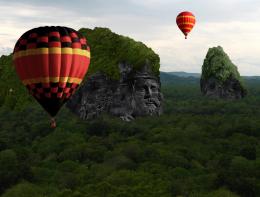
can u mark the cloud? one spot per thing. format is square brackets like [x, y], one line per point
[19, 18]
[239, 40]
[233, 24]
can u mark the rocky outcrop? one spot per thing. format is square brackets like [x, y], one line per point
[123, 78]
[136, 93]
[220, 77]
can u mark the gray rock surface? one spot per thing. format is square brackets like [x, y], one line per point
[137, 93]
[230, 89]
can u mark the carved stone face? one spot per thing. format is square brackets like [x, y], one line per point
[147, 97]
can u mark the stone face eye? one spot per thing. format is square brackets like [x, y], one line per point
[153, 88]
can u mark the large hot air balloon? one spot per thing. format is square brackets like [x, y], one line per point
[185, 21]
[51, 62]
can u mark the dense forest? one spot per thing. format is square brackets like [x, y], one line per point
[199, 147]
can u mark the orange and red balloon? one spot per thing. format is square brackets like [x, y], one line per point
[185, 21]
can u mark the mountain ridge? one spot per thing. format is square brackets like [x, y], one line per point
[197, 75]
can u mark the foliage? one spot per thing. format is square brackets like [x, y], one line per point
[217, 64]
[199, 147]
[13, 93]
[108, 49]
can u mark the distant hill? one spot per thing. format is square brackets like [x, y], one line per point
[197, 75]
[181, 78]
[184, 74]
[170, 78]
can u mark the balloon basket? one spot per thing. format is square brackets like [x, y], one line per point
[53, 123]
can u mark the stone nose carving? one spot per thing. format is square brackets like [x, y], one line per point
[148, 92]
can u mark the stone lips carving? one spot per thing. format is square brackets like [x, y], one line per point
[137, 93]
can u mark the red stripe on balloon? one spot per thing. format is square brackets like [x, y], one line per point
[55, 33]
[43, 39]
[65, 39]
[73, 35]
[84, 67]
[66, 62]
[186, 26]
[83, 41]
[76, 45]
[80, 66]
[187, 20]
[20, 69]
[31, 46]
[62, 84]
[54, 65]
[34, 66]
[59, 94]
[75, 65]
[54, 44]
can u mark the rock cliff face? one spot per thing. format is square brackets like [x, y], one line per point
[137, 93]
[220, 77]
[123, 80]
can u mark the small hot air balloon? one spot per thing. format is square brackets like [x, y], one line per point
[51, 62]
[185, 21]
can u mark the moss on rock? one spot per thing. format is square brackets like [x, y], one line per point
[108, 49]
[217, 64]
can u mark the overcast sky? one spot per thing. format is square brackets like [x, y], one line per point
[232, 24]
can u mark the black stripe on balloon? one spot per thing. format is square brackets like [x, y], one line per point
[54, 84]
[38, 85]
[75, 39]
[22, 47]
[54, 39]
[64, 31]
[53, 95]
[66, 44]
[68, 85]
[83, 46]
[42, 31]
[60, 89]
[32, 40]
[42, 45]
[71, 90]
[17, 44]
[47, 90]
[51, 105]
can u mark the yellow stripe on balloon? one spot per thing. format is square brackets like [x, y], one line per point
[186, 16]
[53, 80]
[52, 50]
[186, 28]
[186, 23]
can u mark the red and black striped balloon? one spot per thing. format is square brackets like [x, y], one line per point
[185, 21]
[51, 62]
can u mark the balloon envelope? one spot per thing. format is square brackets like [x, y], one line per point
[51, 62]
[185, 21]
